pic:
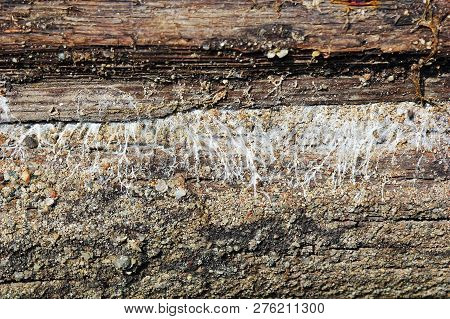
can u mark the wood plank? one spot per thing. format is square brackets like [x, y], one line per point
[96, 100]
[245, 148]
[237, 25]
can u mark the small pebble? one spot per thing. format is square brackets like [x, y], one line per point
[10, 175]
[180, 192]
[315, 54]
[367, 76]
[52, 193]
[6, 191]
[123, 262]
[86, 255]
[49, 202]
[282, 53]
[161, 186]
[31, 142]
[26, 176]
[277, 52]
[40, 186]
[271, 54]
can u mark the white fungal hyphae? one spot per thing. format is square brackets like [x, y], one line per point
[105, 101]
[295, 145]
[5, 114]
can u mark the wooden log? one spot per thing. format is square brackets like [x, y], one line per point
[96, 100]
[238, 25]
[248, 148]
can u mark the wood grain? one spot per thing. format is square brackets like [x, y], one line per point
[240, 25]
[236, 148]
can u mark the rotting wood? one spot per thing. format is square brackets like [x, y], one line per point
[235, 25]
[183, 39]
[224, 149]
[96, 100]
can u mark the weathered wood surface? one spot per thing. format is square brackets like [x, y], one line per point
[98, 100]
[244, 24]
[164, 149]
[142, 38]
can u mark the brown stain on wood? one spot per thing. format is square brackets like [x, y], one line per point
[357, 3]
[433, 23]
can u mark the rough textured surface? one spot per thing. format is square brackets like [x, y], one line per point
[224, 149]
[101, 100]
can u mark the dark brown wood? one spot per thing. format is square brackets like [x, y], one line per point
[238, 25]
[66, 99]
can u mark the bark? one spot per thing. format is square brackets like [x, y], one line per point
[224, 149]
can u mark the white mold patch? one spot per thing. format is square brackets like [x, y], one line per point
[5, 114]
[295, 145]
[101, 100]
